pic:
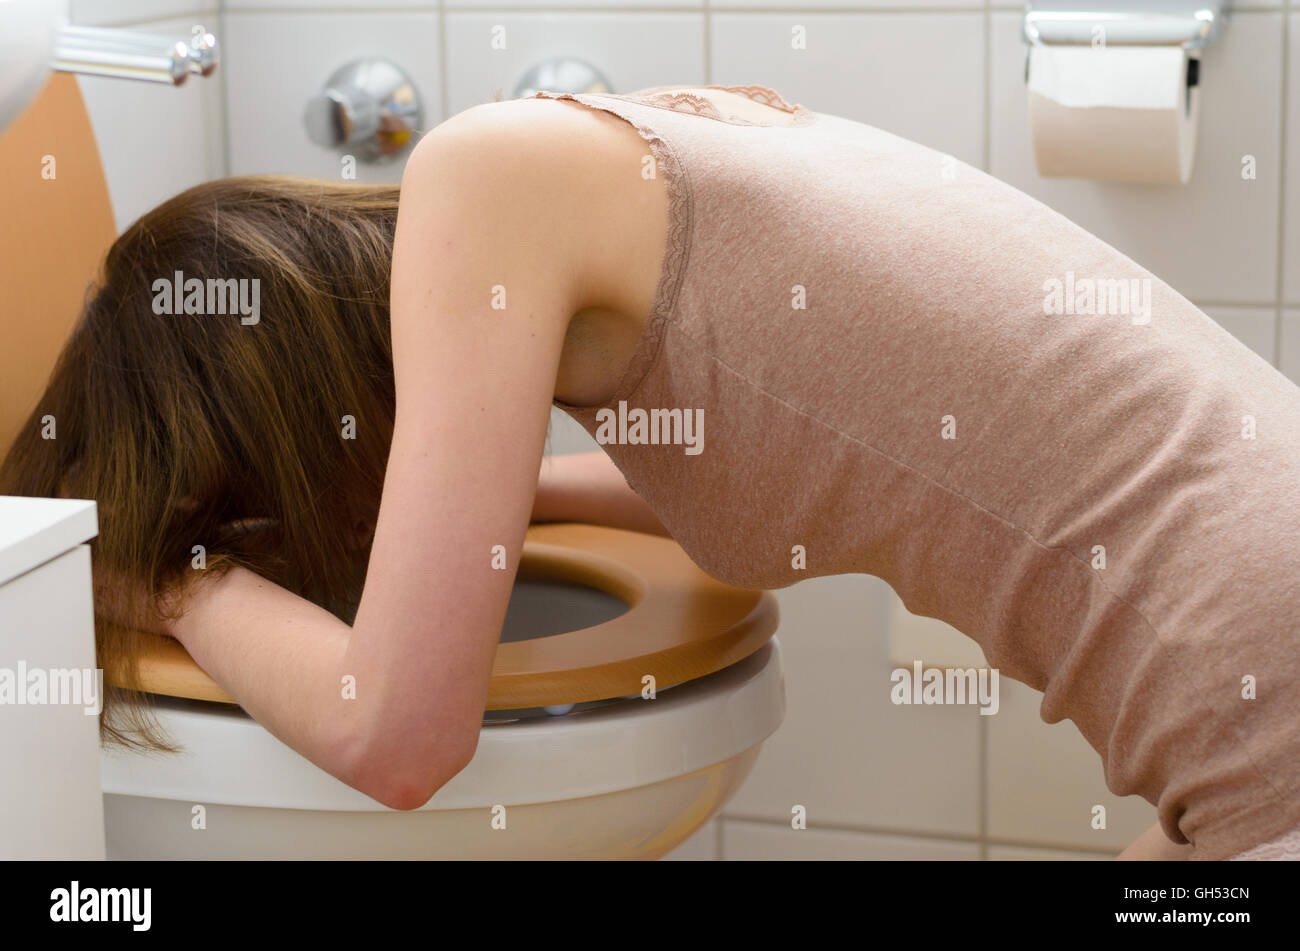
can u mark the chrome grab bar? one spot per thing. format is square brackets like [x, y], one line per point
[127, 54]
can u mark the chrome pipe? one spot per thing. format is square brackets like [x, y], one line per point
[127, 54]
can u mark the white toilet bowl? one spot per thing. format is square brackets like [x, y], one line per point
[632, 779]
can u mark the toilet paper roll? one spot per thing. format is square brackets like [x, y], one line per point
[1114, 113]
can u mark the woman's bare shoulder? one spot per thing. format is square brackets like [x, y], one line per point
[583, 169]
[534, 129]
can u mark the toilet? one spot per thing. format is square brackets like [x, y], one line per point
[575, 759]
[628, 701]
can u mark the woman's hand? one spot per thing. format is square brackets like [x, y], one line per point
[127, 603]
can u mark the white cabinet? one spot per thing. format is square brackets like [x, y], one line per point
[51, 806]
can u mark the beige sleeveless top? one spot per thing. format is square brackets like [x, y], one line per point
[910, 369]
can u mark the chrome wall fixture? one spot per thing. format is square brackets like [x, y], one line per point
[126, 54]
[369, 107]
[562, 74]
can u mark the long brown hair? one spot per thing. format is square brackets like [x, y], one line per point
[210, 429]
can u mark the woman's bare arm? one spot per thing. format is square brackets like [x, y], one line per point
[587, 487]
[1154, 845]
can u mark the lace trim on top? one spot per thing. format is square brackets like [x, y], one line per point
[666, 97]
[1285, 848]
[676, 251]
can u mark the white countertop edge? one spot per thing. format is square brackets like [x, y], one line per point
[34, 531]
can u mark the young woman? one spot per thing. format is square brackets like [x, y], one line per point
[903, 367]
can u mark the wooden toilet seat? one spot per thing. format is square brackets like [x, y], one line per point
[680, 625]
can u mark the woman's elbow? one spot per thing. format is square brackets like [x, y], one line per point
[404, 793]
[406, 776]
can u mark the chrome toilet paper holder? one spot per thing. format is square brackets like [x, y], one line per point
[1191, 24]
[1114, 86]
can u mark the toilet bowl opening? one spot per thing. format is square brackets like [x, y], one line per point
[543, 606]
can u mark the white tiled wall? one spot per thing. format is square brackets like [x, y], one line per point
[477, 72]
[877, 781]
[856, 64]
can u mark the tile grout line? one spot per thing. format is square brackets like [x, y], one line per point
[708, 44]
[988, 88]
[611, 7]
[843, 827]
[930, 836]
[442, 72]
[982, 743]
[1203, 304]
[1282, 185]
[217, 7]
[982, 778]
[226, 155]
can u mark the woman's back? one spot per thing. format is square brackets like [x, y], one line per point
[874, 358]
